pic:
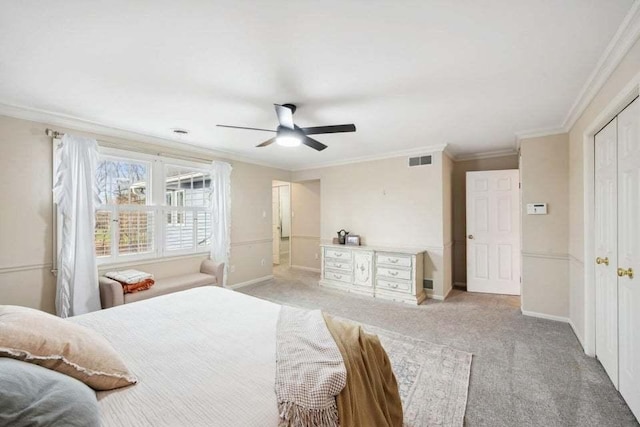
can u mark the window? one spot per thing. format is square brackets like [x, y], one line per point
[175, 198]
[188, 194]
[127, 225]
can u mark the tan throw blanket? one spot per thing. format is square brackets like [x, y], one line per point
[309, 376]
[371, 396]
[309, 370]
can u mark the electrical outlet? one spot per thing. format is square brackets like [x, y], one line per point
[262, 263]
[232, 269]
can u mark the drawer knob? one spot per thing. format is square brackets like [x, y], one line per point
[337, 276]
[393, 273]
[339, 265]
[338, 254]
[393, 260]
[393, 285]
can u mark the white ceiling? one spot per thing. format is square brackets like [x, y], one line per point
[408, 73]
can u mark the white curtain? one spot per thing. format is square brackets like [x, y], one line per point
[76, 196]
[221, 214]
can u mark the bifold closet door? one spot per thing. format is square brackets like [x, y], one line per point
[628, 266]
[606, 237]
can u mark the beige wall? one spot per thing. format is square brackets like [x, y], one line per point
[251, 226]
[459, 201]
[623, 75]
[26, 215]
[447, 218]
[305, 226]
[388, 204]
[544, 173]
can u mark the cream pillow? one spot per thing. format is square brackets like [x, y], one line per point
[46, 340]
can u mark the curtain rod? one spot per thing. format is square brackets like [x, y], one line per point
[57, 135]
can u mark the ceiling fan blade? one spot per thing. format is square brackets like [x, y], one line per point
[285, 116]
[267, 142]
[244, 127]
[316, 145]
[329, 129]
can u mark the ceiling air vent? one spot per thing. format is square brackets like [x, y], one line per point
[419, 161]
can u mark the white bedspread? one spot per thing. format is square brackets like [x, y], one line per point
[205, 356]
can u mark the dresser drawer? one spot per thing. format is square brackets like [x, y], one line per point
[393, 273]
[337, 254]
[400, 286]
[394, 259]
[337, 275]
[337, 264]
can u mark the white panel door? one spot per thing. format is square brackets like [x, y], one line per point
[629, 254]
[493, 232]
[606, 236]
[275, 220]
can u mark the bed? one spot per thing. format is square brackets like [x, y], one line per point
[205, 356]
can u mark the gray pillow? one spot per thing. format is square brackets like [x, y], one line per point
[31, 395]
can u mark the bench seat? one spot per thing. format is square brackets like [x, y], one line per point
[112, 294]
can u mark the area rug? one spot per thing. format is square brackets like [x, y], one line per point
[433, 379]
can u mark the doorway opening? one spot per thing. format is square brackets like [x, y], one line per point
[281, 224]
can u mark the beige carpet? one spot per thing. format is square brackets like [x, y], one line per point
[525, 371]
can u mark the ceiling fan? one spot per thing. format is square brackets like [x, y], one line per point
[290, 135]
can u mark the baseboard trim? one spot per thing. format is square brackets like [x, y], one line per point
[429, 293]
[250, 282]
[460, 285]
[545, 316]
[575, 332]
[301, 267]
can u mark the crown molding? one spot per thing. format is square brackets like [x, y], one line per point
[71, 122]
[536, 133]
[428, 149]
[449, 153]
[627, 34]
[486, 155]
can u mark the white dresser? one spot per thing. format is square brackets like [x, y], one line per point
[389, 273]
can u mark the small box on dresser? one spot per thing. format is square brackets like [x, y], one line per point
[395, 274]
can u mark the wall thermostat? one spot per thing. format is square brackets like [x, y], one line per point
[536, 208]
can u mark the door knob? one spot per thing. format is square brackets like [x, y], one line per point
[471, 236]
[604, 260]
[628, 272]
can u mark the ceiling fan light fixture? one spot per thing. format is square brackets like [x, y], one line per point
[288, 141]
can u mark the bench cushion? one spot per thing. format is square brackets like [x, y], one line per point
[172, 284]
